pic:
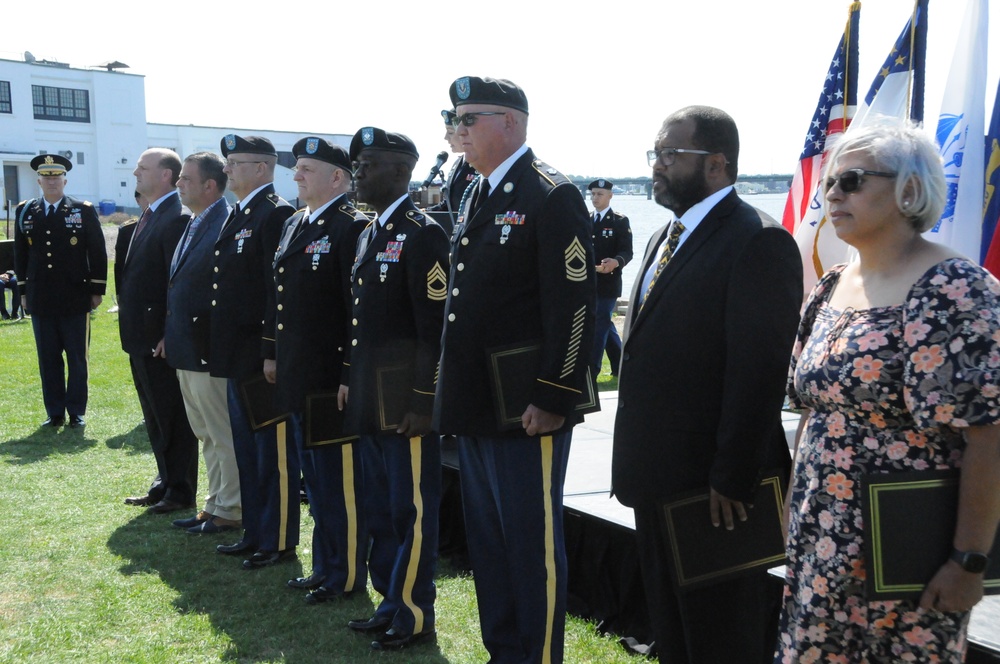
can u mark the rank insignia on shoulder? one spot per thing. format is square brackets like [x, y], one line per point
[509, 218]
[576, 261]
[437, 283]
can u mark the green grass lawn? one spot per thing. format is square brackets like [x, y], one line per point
[85, 578]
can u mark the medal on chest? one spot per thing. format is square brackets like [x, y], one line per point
[242, 237]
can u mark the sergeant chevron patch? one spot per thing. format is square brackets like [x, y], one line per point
[576, 261]
[437, 283]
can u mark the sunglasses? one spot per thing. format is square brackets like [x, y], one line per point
[851, 180]
[469, 119]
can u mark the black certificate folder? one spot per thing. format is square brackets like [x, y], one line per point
[324, 424]
[513, 371]
[258, 399]
[704, 554]
[909, 526]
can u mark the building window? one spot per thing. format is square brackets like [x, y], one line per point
[5, 97]
[64, 104]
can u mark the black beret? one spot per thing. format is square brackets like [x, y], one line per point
[493, 91]
[374, 138]
[51, 164]
[321, 149]
[249, 145]
[601, 184]
[448, 116]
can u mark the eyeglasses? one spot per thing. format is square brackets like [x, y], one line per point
[233, 164]
[667, 156]
[469, 119]
[851, 180]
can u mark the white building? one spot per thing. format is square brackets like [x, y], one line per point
[97, 118]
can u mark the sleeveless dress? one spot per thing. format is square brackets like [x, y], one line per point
[890, 389]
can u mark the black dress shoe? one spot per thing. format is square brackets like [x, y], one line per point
[141, 501]
[237, 549]
[193, 521]
[76, 421]
[263, 559]
[393, 640]
[324, 594]
[371, 625]
[54, 421]
[166, 506]
[306, 582]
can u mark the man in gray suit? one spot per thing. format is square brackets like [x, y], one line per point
[187, 335]
[142, 302]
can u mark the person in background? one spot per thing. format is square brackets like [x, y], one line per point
[895, 369]
[613, 250]
[8, 281]
[61, 259]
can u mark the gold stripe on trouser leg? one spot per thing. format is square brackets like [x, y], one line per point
[86, 340]
[418, 537]
[283, 505]
[350, 505]
[550, 547]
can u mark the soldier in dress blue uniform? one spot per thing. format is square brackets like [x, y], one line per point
[613, 250]
[62, 263]
[522, 274]
[311, 330]
[400, 285]
[243, 279]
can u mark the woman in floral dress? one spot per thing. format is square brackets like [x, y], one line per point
[897, 367]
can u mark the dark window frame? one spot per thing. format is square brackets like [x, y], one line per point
[6, 102]
[60, 104]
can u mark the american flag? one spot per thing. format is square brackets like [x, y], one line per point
[836, 108]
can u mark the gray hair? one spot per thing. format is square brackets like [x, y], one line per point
[906, 149]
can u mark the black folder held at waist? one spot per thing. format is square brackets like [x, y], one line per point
[513, 372]
[704, 554]
[324, 423]
[258, 400]
[909, 523]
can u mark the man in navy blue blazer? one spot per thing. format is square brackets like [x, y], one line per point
[186, 340]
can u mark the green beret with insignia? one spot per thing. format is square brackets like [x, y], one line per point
[491, 91]
[233, 144]
[373, 138]
[314, 147]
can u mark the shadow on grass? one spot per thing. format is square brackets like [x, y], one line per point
[135, 441]
[263, 618]
[45, 442]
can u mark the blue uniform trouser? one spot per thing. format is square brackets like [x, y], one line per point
[334, 485]
[269, 478]
[512, 489]
[64, 386]
[402, 502]
[605, 334]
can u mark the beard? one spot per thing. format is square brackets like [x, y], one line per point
[678, 193]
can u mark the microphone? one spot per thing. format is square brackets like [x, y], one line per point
[435, 169]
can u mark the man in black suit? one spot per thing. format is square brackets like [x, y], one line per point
[399, 285]
[186, 340]
[142, 312]
[311, 329]
[62, 263]
[242, 282]
[613, 250]
[522, 279]
[707, 340]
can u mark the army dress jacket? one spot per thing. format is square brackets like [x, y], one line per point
[60, 262]
[400, 285]
[312, 295]
[612, 239]
[522, 273]
[243, 284]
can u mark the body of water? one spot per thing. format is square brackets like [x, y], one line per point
[646, 217]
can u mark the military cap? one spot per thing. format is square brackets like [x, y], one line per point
[601, 184]
[231, 143]
[51, 164]
[321, 149]
[493, 91]
[373, 138]
[448, 117]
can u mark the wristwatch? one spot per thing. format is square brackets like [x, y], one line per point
[971, 561]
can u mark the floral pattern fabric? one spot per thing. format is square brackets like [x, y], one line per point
[889, 389]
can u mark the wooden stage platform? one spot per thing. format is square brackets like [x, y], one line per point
[605, 582]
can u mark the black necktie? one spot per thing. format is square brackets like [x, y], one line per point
[481, 195]
[51, 212]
